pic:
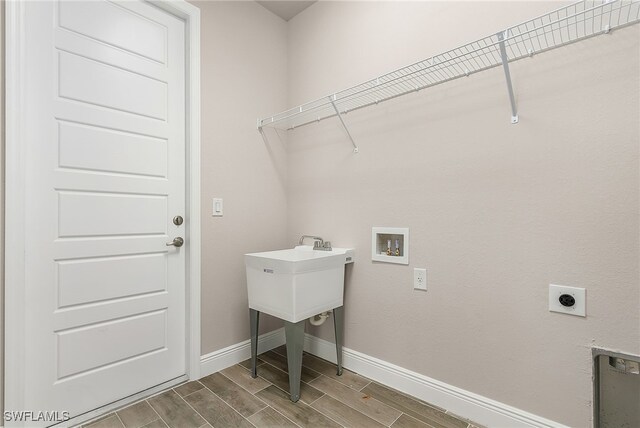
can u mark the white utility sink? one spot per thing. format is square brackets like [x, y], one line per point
[296, 283]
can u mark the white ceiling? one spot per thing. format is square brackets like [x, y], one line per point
[286, 9]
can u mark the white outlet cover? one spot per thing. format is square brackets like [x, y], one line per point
[420, 279]
[579, 294]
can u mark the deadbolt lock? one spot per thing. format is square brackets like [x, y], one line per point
[178, 220]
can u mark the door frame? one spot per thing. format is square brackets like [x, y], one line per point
[15, 179]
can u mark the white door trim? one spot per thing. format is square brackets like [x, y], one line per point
[15, 162]
[191, 16]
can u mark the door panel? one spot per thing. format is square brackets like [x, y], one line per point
[113, 278]
[111, 342]
[111, 151]
[95, 312]
[93, 82]
[101, 52]
[135, 33]
[105, 176]
[99, 214]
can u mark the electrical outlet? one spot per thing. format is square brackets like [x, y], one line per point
[567, 300]
[420, 279]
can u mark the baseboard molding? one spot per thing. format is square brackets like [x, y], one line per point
[226, 357]
[463, 403]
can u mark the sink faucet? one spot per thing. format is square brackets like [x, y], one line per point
[318, 243]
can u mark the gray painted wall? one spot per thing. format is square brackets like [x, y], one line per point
[244, 75]
[496, 211]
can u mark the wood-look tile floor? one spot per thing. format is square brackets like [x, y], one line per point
[231, 398]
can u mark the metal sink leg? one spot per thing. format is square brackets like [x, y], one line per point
[294, 333]
[338, 325]
[254, 321]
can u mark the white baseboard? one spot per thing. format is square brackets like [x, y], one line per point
[463, 403]
[226, 357]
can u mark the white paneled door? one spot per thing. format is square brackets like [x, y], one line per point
[105, 149]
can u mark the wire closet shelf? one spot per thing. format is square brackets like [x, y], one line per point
[563, 26]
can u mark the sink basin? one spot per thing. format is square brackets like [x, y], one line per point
[296, 283]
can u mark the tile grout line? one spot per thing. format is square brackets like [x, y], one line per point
[432, 407]
[197, 413]
[134, 404]
[337, 378]
[370, 397]
[247, 418]
[414, 399]
[270, 384]
[287, 392]
[118, 416]
[268, 406]
[328, 417]
[323, 413]
[319, 411]
[186, 395]
[302, 402]
[301, 382]
[335, 398]
[360, 390]
[430, 425]
[274, 350]
[318, 372]
[265, 404]
[281, 414]
[157, 414]
[146, 400]
[249, 370]
[399, 416]
[241, 385]
[323, 394]
[306, 367]
[262, 388]
[256, 412]
[153, 408]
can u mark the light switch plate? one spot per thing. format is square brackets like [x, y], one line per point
[218, 208]
[579, 295]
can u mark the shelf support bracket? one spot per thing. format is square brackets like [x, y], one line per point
[344, 125]
[505, 65]
[261, 131]
[264, 136]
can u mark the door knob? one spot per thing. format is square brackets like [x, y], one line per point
[177, 242]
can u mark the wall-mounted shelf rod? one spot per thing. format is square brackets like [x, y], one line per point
[507, 74]
[563, 26]
[344, 125]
